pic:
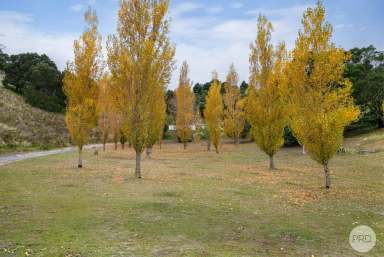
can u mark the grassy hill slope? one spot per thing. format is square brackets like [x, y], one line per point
[24, 126]
[369, 142]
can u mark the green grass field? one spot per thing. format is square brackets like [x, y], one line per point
[191, 203]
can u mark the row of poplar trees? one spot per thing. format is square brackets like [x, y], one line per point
[221, 110]
[304, 89]
[128, 98]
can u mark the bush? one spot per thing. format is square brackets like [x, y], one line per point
[41, 100]
[246, 130]
[37, 78]
[169, 135]
[289, 138]
[8, 135]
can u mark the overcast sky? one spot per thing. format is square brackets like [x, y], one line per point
[208, 34]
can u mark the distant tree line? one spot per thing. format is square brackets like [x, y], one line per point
[36, 78]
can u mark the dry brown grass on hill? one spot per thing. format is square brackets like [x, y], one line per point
[21, 124]
[373, 142]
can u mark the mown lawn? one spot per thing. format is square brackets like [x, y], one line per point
[189, 203]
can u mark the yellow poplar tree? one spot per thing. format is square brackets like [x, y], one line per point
[213, 112]
[157, 120]
[184, 106]
[116, 94]
[321, 96]
[80, 84]
[141, 56]
[266, 107]
[234, 119]
[103, 109]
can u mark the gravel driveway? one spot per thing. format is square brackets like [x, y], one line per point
[23, 156]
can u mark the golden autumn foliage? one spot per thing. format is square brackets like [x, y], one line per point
[80, 84]
[266, 106]
[184, 105]
[116, 94]
[234, 117]
[213, 112]
[305, 90]
[157, 120]
[321, 96]
[140, 59]
[103, 108]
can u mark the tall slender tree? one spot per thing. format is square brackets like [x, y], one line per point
[117, 95]
[321, 96]
[184, 105]
[80, 84]
[141, 56]
[266, 104]
[103, 109]
[234, 119]
[213, 112]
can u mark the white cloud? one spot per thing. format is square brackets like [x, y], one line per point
[208, 43]
[205, 41]
[15, 16]
[77, 7]
[344, 26]
[81, 7]
[279, 12]
[18, 36]
[185, 7]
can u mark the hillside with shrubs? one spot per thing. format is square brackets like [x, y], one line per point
[22, 125]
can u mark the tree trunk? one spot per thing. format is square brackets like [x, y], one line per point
[185, 145]
[115, 145]
[138, 165]
[327, 176]
[271, 163]
[304, 152]
[122, 146]
[105, 139]
[217, 149]
[149, 152]
[80, 164]
[209, 146]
